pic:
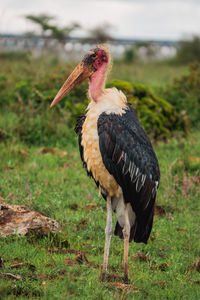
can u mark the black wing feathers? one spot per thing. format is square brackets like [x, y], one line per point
[78, 130]
[128, 155]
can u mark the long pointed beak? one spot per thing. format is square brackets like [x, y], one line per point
[80, 73]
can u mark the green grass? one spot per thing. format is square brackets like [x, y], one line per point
[59, 188]
[152, 74]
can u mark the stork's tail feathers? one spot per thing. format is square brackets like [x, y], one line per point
[133, 234]
[139, 232]
[118, 232]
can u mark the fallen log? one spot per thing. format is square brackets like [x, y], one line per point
[21, 220]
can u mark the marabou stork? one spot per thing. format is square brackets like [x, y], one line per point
[116, 153]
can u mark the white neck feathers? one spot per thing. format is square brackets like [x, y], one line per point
[110, 101]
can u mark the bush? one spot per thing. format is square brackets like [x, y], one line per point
[26, 91]
[157, 116]
[13, 55]
[129, 55]
[184, 94]
[188, 51]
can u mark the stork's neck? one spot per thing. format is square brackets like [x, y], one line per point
[97, 82]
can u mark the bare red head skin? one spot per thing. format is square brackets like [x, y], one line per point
[97, 57]
[92, 63]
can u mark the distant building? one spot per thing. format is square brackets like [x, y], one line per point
[74, 47]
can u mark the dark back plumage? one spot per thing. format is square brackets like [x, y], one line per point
[128, 155]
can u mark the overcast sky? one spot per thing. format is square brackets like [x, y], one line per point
[164, 19]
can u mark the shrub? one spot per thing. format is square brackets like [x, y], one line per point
[76, 103]
[129, 55]
[188, 50]
[157, 116]
[26, 91]
[184, 94]
[13, 55]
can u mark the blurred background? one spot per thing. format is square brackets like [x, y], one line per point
[153, 28]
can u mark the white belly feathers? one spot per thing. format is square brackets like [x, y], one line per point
[90, 138]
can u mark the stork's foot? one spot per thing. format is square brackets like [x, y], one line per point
[126, 281]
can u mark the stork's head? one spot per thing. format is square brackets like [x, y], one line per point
[95, 62]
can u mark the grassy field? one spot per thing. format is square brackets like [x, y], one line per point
[153, 74]
[57, 186]
[68, 265]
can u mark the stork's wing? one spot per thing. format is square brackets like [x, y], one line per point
[128, 155]
[78, 130]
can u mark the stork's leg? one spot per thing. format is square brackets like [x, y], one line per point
[108, 232]
[126, 233]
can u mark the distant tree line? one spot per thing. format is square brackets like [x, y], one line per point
[48, 28]
[188, 50]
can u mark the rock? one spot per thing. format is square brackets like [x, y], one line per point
[20, 220]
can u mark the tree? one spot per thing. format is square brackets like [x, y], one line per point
[61, 34]
[42, 20]
[100, 33]
[50, 30]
